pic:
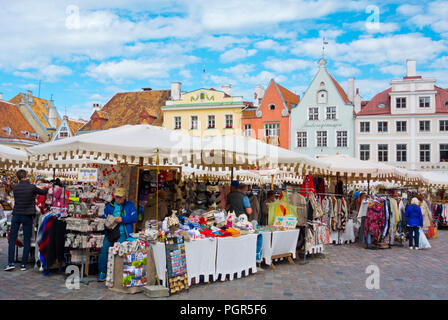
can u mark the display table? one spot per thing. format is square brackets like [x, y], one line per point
[279, 243]
[201, 258]
[235, 255]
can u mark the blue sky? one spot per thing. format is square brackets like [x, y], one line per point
[85, 51]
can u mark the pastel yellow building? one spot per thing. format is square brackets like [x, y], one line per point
[203, 112]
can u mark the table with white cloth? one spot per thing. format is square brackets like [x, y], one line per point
[212, 257]
[279, 243]
[200, 255]
[235, 255]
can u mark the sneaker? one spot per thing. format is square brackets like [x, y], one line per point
[10, 267]
[416, 248]
[411, 248]
[22, 267]
[101, 277]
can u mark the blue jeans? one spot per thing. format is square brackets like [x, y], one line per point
[104, 252]
[414, 234]
[27, 223]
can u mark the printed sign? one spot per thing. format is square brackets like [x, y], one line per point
[88, 175]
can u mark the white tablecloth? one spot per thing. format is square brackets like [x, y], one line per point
[201, 259]
[279, 242]
[235, 255]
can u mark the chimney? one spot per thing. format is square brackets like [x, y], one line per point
[96, 107]
[227, 88]
[258, 95]
[29, 96]
[176, 90]
[357, 101]
[1, 95]
[411, 68]
[52, 115]
[351, 89]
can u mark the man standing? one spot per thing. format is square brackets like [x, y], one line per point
[125, 215]
[239, 202]
[23, 213]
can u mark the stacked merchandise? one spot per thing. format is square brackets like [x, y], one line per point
[176, 262]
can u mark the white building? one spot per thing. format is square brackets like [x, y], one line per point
[406, 125]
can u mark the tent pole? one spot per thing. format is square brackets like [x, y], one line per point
[231, 175]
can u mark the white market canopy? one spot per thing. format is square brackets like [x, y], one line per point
[435, 178]
[141, 144]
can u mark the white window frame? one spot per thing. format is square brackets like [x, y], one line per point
[317, 138]
[333, 114]
[175, 118]
[386, 151]
[396, 126]
[248, 130]
[429, 130]
[346, 137]
[226, 120]
[360, 126]
[440, 125]
[405, 103]
[396, 152]
[427, 152]
[378, 126]
[429, 102]
[302, 138]
[272, 127]
[361, 151]
[309, 113]
[191, 122]
[208, 121]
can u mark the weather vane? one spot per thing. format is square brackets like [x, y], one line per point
[323, 46]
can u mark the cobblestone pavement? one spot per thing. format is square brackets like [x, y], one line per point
[341, 274]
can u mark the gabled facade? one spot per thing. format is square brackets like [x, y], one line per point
[41, 114]
[67, 128]
[405, 125]
[203, 112]
[144, 107]
[269, 120]
[15, 131]
[323, 121]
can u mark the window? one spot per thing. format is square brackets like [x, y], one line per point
[364, 151]
[331, 113]
[211, 122]
[382, 126]
[272, 106]
[383, 152]
[321, 138]
[194, 122]
[381, 105]
[247, 130]
[425, 152]
[313, 113]
[322, 96]
[444, 152]
[400, 103]
[177, 122]
[401, 126]
[302, 139]
[443, 125]
[63, 134]
[365, 127]
[341, 139]
[424, 102]
[272, 130]
[424, 125]
[229, 121]
[402, 150]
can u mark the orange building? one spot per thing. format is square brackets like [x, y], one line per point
[268, 120]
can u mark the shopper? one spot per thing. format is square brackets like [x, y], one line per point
[125, 216]
[414, 222]
[270, 197]
[23, 213]
[238, 201]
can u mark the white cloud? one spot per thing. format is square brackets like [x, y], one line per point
[346, 71]
[395, 69]
[409, 10]
[270, 44]
[185, 73]
[368, 88]
[287, 65]
[240, 69]
[330, 34]
[383, 27]
[28, 86]
[236, 54]
[435, 15]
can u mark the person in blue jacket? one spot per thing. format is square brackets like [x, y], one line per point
[125, 214]
[415, 222]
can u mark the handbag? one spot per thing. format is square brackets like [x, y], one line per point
[114, 234]
[423, 243]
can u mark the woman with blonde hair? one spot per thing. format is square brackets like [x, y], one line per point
[415, 221]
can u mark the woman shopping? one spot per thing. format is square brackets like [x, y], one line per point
[415, 222]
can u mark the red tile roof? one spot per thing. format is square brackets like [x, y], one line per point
[340, 90]
[441, 100]
[289, 97]
[13, 119]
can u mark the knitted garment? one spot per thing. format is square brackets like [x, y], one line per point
[374, 220]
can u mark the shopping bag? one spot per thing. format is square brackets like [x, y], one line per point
[423, 242]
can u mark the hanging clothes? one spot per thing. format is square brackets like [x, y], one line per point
[374, 220]
[300, 202]
[307, 186]
[339, 188]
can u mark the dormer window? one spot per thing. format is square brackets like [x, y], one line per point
[26, 133]
[381, 105]
[7, 130]
[35, 135]
[272, 106]
[446, 103]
